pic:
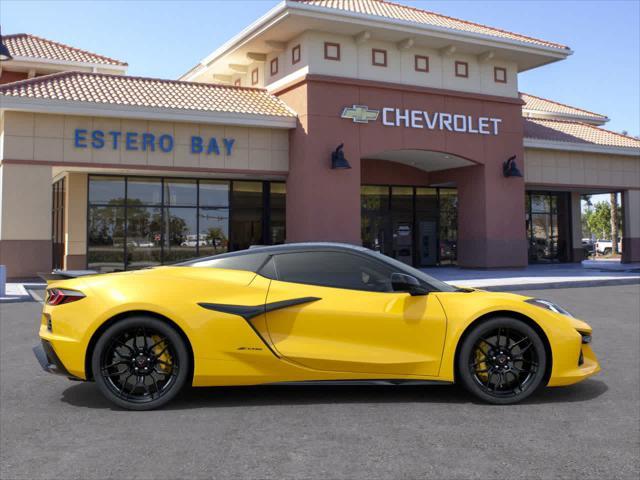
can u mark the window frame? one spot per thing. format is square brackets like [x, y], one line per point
[375, 51]
[465, 65]
[416, 58]
[255, 76]
[296, 54]
[495, 74]
[274, 62]
[327, 45]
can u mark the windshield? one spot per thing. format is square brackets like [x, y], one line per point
[404, 268]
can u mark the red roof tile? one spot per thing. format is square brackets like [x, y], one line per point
[575, 132]
[544, 105]
[31, 46]
[102, 88]
[395, 11]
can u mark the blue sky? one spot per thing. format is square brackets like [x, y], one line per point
[166, 38]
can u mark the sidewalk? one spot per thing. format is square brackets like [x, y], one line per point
[539, 276]
[20, 292]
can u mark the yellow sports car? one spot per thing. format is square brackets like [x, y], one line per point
[315, 312]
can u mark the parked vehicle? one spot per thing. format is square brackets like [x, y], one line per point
[303, 312]
[605, 247]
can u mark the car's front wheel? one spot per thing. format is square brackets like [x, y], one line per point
[502, 361]
[140, 363]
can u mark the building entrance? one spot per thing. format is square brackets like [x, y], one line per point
[416, 225]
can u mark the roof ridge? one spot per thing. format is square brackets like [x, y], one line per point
[563, 105]
[409, 7]
[104, 57]
[129, 77]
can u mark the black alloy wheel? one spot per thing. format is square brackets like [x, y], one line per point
[140, 363]
[502, 361]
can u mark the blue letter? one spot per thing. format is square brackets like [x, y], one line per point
[148, 141]
[165, 143]
[213, 147]
[196, 144]
[115, 136]
[98, 139]
[80, 137]
[132, 141]
[228, 144]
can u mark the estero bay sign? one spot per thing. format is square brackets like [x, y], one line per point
[403, 117]
[136, 141]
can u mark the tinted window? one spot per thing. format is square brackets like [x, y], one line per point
[334, 269]
[249, 262]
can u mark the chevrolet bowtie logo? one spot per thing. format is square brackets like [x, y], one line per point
[360, 114]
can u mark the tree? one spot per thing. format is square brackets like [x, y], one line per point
[598, 220]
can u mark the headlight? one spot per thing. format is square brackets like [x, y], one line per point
[548, 305]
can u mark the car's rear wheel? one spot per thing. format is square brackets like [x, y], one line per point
[140, 363]
[502, 361]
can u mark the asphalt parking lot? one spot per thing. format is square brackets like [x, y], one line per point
[53, 428]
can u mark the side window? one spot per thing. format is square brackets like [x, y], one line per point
[249, 262]
[334, 269]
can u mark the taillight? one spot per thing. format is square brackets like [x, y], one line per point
[58, 296]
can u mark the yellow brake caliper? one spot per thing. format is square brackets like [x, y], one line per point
[481, 364]
[160, 351]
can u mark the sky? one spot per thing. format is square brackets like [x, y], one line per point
[166, 38]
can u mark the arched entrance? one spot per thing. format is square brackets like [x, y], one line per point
[403, 214]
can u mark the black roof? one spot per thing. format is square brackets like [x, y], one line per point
[283, 248]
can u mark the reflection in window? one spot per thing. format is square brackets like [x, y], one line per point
[144, 191]
[246, 215]
[105, 242]
[106, 190]
[144, 235]
[170, 220]
[214, 193]
[180, 234]
[214, 230]
[180, 193]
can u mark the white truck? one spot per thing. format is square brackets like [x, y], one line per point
[605, 247]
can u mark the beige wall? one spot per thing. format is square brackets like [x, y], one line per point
[43, 137]
[631, 205]
[577, 169]
[25, 201]
[355, 62]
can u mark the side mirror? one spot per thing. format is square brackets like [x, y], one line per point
[401, 282]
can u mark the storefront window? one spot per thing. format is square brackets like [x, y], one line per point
[448, 231]
[547, 218]
[135, 222]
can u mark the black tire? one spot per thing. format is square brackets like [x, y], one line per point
[607, 251]
[502, 361]
[142, 347]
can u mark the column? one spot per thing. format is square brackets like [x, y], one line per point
[631, 239]
[75, 222]
[491, 219]
[25, 219]
[577, 252]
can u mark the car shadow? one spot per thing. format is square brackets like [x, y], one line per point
[87, 395]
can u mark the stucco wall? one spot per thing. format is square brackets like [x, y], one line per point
[554, 167]
[50, 138]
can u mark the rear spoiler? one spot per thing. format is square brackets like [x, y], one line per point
[65, 274]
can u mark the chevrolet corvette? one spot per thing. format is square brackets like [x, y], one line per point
[295, 313]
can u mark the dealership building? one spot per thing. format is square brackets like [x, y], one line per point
[365, 122]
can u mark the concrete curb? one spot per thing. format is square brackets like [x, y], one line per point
[551, 285]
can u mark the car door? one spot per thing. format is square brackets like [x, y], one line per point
[351, 320]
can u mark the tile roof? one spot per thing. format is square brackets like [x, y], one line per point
[575, 132]
[103, 88]
[395, 11]
[545, 105]
[31, 46]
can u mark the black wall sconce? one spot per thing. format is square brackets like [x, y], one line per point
[338, 162]
[510, 169]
